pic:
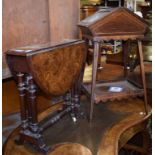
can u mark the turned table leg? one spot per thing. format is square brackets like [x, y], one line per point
[30, 130]
[32, 105]
[23, 110]
[27, 99]
[34, 132]
[79, 113]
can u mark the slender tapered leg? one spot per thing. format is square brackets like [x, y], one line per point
[94, 73]
[143, 74]
[125, 55]
[99, 58]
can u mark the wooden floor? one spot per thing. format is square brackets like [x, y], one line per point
[10, 98]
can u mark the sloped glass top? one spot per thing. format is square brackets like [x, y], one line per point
[95, 17]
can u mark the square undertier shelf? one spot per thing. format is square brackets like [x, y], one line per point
[111, 91]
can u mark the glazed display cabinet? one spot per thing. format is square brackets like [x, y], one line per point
[114, 25]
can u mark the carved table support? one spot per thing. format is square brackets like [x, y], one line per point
[30, 129]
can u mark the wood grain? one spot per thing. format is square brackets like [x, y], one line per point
[59, 68]
[124, 130]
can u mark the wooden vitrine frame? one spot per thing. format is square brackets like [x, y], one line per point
[105, 26]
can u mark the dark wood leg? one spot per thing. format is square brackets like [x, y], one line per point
[94, 73]
[67, 98]
[73, 105]
[27, 99]
[23, 110]
[70, 102]
[32, 105]
[75, 95]
[21, 88]
[33, 134]
[143, 74]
